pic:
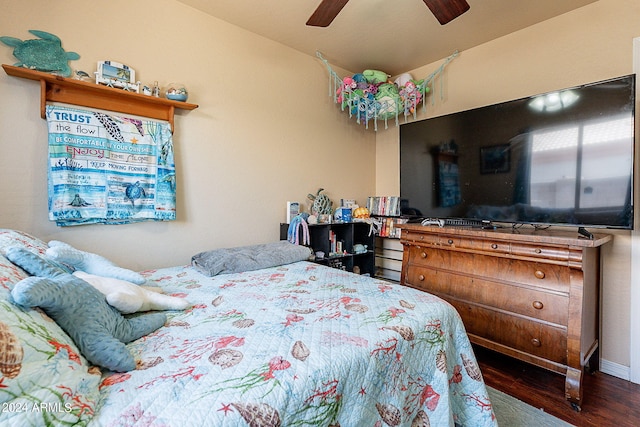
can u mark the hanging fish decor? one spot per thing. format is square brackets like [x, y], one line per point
[11, 352]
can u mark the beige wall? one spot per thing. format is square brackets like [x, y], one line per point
[266, 130]
[590, 44]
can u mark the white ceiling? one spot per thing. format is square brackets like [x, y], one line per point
[390, 35]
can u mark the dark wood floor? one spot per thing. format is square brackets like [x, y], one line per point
[607, 400]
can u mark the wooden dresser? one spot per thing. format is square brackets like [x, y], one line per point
[533, 295]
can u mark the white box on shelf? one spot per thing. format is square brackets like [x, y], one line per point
[293, 209]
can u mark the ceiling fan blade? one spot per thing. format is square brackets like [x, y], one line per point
[447, 10]
[326, 13]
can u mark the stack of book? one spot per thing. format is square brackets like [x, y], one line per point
[389, 227]
[384, 205]
[336, 247]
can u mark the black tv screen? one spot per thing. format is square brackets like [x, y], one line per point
[560, 158]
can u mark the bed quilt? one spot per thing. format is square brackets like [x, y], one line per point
[298, 345]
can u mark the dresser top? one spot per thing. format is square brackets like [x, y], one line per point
[529, 235]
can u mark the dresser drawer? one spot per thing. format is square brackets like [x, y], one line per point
[431, 239]
[538, 339]
[551, 277]
[414, 237]
[546, 276]
[531, 302]
[456, 242]
[542, 252]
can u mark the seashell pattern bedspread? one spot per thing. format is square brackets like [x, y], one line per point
[298, 345]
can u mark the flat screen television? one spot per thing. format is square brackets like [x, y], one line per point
[560, 158]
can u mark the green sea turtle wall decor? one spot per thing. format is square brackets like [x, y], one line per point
[43, 54]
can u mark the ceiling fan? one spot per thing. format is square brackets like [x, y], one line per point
[444, 11]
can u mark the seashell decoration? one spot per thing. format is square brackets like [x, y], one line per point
[179, 323]
[358, 308]
[405, 331]
[258, 414]
[301, 310]
[421, 420]
[441, 361]
[226, 358]
[300, 351]
[217, 301]
[11, 352]
[348, 290]
[146, 364]
[406, 304]
[471, 367]
[243, 323]
[389, 414]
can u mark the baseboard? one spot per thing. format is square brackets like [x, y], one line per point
[615, 369]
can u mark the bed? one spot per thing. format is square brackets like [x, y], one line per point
[297, 344]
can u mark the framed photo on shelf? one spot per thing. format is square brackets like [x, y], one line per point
[495, 159]
[115, 74]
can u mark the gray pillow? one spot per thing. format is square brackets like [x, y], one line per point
[247, 258]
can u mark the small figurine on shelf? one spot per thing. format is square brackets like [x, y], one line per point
[82, 75]
[176, 92]
[156, 89]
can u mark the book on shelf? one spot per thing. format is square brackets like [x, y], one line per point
[389, 227]
[384, 205]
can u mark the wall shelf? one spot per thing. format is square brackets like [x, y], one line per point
[86, 94]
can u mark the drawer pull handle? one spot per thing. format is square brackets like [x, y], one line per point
[494, 246]
[538, 305]
[450, 241]
[421, 278]
[538, 250]
[421, 237]
[423, 254]
[536, 342]
[539, 274]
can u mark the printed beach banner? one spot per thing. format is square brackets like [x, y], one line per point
[109, 169]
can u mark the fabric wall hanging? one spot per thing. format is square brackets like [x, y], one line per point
[108, 169]
[370, 96]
